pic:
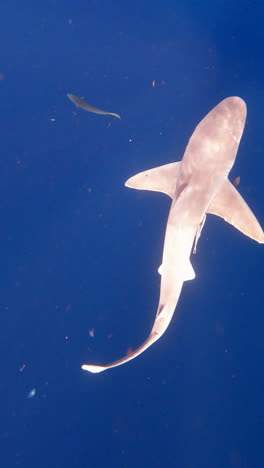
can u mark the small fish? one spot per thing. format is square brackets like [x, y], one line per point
[79, 102]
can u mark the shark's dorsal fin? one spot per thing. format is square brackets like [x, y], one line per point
[229, 205]
[198, 233]
[159, 179]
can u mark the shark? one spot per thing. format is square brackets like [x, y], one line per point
[198, 185]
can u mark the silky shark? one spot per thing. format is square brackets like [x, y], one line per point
[197, 185]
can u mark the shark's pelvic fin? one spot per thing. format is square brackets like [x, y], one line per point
[189, 273]
[229, 205]
[159, 179]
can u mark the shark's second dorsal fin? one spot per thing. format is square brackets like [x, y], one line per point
[159, 179]
[229, 204]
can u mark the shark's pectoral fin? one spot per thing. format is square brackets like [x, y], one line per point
[188, 271]
[229, 204]
[159, 179]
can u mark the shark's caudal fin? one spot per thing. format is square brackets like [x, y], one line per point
[160, 179]
[229, 204]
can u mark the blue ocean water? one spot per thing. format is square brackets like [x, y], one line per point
[79, 251]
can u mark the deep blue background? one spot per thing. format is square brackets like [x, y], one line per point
[79, 251]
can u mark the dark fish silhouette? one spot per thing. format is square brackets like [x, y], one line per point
[79, 102]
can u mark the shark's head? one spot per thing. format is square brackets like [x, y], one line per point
[214, 143]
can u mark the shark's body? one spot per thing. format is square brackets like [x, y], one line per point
[197, 185]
